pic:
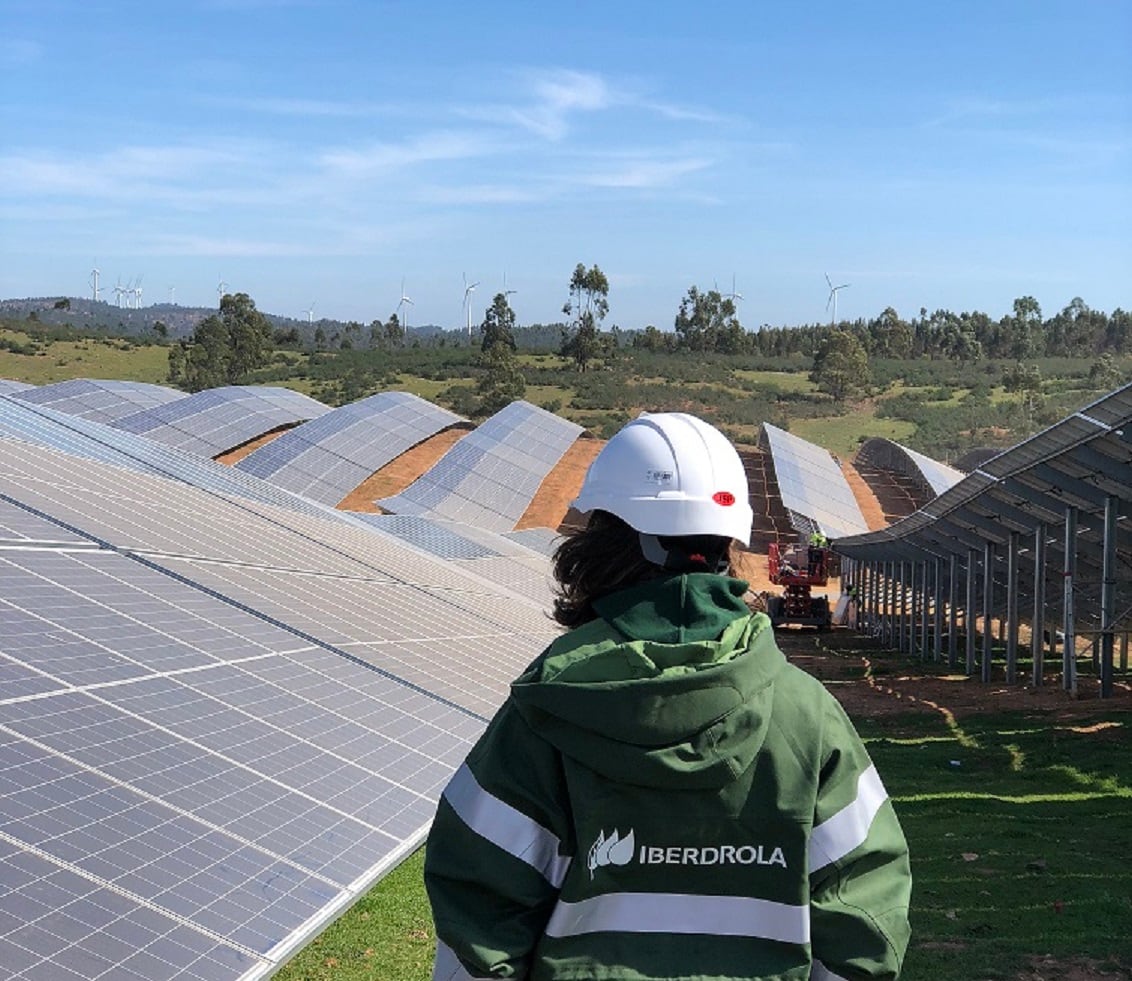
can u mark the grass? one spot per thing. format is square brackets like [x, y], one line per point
[1019, 828]
[843, 434]
[1016, 825]
[107, 358]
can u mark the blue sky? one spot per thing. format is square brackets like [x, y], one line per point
[932, 155]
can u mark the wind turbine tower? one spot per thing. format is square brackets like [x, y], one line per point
[506, 291]
[469, 289]
[832, 301]
[733, 295]
[220, 288]
[404, 303]
[94, 284]
[310, 313]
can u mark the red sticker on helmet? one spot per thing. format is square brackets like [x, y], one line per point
[726, 498]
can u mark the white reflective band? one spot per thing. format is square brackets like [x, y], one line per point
[848, 828]
[819, 972]
[649, 912]
[447, 966]
[506, 827]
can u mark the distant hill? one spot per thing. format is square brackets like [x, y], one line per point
[86, 314]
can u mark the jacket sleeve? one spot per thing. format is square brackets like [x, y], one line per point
[497, 853]
[860, 880]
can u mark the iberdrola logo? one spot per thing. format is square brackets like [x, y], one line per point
[613, 850]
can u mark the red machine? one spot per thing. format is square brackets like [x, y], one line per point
[797, 569]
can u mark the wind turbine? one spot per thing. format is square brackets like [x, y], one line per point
[94, 283]
[468, 291]
[220, 288]
[310, 313]
[506, 291]
[733, 295]
[833, 298]
[405, 300]
[172, 296]
[137, 293]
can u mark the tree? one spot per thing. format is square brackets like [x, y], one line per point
[708, 322]
[205, 361]
[587, 306]
[891, 336]
[498, 327]
[841, 365]
[394, 332]
[249, 336]
[502, 382]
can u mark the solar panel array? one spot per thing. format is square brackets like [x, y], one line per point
[218, 419]
[813, 488]
[96, 441]
[102, 401]
[1083, 463]
[490, 477]
[327, 457]
[501, 559]
[889, 455]
[8, 386]
[220, 720]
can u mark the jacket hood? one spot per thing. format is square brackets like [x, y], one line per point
[671, 687]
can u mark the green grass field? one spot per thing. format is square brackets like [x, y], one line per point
[107, 358]
[1019, 826]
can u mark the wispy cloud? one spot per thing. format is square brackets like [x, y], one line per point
[643, 173]
[119, 171]
[383, 157]
[982, 109]
[308, 108]
[555, 96]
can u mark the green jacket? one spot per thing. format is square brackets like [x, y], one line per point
[663, 796]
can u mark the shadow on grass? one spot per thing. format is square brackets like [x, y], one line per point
[1020, 827]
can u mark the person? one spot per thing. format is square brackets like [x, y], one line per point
[662, 795]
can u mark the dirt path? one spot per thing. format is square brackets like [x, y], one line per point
[561, 486]
[866, 500]
[395, 476]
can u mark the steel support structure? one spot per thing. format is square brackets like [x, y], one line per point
[1038, 620]
[1068, 571]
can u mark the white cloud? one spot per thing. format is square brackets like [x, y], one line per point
[644, 173]
[381, 157]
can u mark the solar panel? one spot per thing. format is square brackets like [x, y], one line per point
[8, 386]
[220, 721]
[812, 485]
[498, 559]
[889, 455]
[96, 441]
[544, 540]
[102, 401]
[216, 420]
[327, 457]
[490, 477]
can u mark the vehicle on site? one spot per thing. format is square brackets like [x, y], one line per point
[797, 569]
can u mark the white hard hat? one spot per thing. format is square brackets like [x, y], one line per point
[670, 473]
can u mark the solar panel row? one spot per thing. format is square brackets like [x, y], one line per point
[490, 477]
[216, 420]
[327, 457]
[812, 484]
[221, 719]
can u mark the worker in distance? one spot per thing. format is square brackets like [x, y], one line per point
[662, 795]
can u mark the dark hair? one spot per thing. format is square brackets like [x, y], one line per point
[602, 558]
